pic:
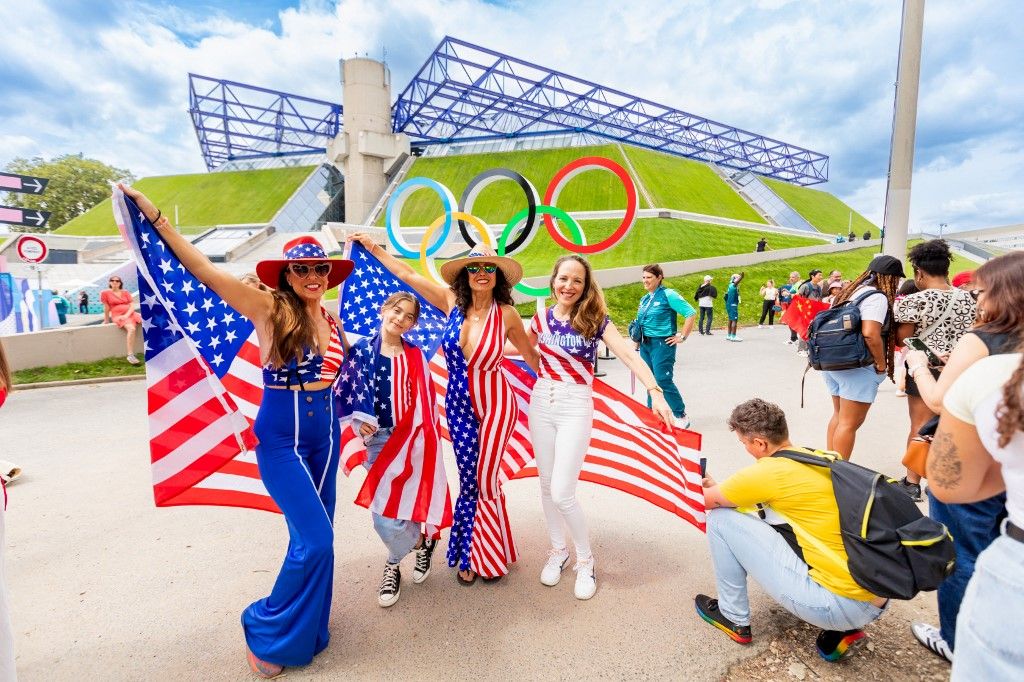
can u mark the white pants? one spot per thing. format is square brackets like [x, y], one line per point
[7, 673]
[561, 418]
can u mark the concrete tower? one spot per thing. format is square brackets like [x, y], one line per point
[366, 150]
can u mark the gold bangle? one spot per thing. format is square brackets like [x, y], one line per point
[658, 389]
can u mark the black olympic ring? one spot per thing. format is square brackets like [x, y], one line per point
[477, 184]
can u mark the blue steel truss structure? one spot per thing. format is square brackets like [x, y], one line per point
[234, 121]
[464, 93]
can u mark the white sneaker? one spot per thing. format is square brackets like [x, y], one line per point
[760, 326]
[802, 353]
[132, 360]
[736, 338]
[681, 422]
[586, 580]
[931, 637]
[552, 572]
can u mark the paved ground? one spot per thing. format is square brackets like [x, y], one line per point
[106, 586]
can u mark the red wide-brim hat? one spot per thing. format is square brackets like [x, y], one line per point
[303, 250]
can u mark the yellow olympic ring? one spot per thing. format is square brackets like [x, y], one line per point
[427, 263]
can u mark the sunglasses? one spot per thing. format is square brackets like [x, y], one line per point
[302, 270]
[114, 280]
[975, 293]
[489, 268]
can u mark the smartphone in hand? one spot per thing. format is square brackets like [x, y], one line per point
[703, 468]
[917, 344]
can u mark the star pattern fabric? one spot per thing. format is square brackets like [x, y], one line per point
[464, 430]
[185, 307]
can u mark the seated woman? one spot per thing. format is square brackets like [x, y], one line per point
[117, 308]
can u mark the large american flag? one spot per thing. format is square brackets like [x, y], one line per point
[203, 376]
[630, 449]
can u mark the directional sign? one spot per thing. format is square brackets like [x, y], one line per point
[26, 184]
[22, 216]
[31, 249]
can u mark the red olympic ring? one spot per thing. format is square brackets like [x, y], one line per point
[570, 171]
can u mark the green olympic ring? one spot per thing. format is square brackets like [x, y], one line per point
[542, 209]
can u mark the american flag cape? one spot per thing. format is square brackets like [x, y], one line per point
[203, 378]
[630, 449]
[407, 480]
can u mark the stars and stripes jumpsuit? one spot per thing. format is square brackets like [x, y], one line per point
[482, 413]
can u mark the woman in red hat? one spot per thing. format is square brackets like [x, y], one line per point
[301, 349]
[480, 404]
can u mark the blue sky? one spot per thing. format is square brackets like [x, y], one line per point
[109, 79]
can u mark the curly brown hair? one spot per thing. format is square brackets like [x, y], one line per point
[464, 294]
[590, 309]
[888, 285]
[293, 328]
[1010, 412]
[760, 418]
[1000, 278]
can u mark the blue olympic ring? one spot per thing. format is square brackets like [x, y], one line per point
[394, 208]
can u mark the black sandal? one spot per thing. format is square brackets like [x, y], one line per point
[492, 580]
[465, 581]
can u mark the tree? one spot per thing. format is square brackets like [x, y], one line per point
[76, 185]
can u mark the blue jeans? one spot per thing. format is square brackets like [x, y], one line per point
[661, 358]
[705, 313]
[743, 545]
[973, 527]
[987, 631]
[399, 536]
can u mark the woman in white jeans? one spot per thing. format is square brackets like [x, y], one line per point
[562, 407]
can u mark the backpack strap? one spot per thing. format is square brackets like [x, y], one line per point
[818, 458]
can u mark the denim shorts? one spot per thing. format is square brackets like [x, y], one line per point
[733, 311]
[859, 384]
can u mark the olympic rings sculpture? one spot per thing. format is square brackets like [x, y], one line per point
[520, 229]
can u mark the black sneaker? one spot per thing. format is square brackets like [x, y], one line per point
[707, 608]
[423, 557]
[912, 489]
[390, 585]
[834, 645]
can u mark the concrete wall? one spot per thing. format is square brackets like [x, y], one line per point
[630, 275]
[67, 344]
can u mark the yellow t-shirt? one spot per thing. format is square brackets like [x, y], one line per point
[803, 494]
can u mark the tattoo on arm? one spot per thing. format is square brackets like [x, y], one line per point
[945, 470]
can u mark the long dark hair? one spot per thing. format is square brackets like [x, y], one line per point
[464, 294]
[1001, 278]
[888, 285]
[1010, 412]
[590, 309]
[293, 329]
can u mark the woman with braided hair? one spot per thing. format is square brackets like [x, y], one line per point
[978, 452]
[853, 390]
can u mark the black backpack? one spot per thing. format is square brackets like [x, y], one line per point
[835, 341]
[893, 550]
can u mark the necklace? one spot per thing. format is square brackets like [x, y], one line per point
[475, 314]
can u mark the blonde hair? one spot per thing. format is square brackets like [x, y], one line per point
[589, 311]
[5, 370]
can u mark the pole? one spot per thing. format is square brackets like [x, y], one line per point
[39, 297]
[904, 125]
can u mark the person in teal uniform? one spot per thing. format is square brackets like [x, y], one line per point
[732, 306]
[657, 316]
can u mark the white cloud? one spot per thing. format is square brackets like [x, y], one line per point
[818, 75]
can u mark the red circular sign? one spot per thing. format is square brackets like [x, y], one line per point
[31, 249]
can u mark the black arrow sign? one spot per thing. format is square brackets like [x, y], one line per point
[19, 216]
[25, 184]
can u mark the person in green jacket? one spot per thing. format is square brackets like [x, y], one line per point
[657, 315]
[732, 306]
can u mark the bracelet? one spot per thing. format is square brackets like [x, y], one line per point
[157, 218]
[656, 388]
[913, 370]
